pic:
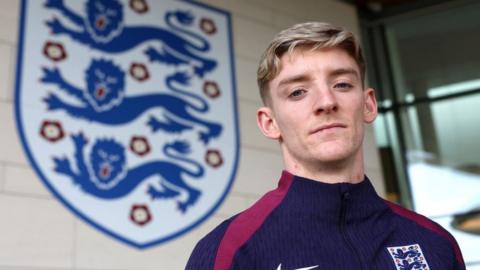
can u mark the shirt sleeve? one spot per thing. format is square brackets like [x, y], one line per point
[205, 252]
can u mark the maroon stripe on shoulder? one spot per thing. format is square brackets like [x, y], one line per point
[248, 222]
[428, 224]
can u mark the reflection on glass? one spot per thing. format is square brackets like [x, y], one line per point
[468, 222]
[433, 50]
[456, 125]
[454, 88]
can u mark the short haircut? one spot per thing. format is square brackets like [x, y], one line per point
[314, 35]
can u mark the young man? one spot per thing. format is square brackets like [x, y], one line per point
[325, 213]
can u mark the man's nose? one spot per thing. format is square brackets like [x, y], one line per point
[325, 101]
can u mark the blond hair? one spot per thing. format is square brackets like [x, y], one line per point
[314, 35]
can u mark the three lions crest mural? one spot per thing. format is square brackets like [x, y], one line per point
[127, 111]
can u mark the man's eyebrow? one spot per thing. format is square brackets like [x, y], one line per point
[343, 71]
[306, 77]
[295, 79]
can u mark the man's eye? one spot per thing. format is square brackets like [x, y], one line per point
[297, 93]
[343, 86]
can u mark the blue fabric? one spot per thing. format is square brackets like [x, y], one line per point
[331, 226]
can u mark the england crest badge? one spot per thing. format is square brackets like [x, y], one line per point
[408, 257]
[127, 111]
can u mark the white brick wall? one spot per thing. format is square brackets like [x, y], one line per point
[38, 233]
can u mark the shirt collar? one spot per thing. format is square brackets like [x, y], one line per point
[311, 197]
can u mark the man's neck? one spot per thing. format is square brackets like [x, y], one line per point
[344, 171]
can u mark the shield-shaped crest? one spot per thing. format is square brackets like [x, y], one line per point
[127, 111]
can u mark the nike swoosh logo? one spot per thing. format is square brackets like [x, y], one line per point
[304, 268]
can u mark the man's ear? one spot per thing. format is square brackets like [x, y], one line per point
[267, 124]
[370, 110]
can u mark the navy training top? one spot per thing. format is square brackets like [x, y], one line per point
[306, 224]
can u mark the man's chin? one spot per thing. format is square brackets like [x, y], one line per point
[332, 161]
[333, 156]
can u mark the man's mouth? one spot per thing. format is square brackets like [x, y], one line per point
[327, 127]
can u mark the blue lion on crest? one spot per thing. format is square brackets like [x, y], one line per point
[105, 175]
[107, 163]
[104, 19]
[408, 260]
[105, 85]
[103, 29]
[104, 101]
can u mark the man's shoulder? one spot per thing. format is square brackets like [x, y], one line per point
[204, 254]
[222, 243]
[220, 246]
[218, 232]
[418, 219]
[427, 225]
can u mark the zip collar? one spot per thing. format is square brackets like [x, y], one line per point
[308, 197]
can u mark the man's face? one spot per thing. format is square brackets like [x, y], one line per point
[317, 107]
